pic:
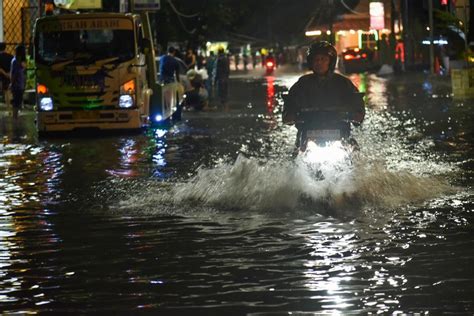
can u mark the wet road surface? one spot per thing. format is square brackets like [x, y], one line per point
[213, 215]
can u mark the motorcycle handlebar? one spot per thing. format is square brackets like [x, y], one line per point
[308, 115]
[304, 114]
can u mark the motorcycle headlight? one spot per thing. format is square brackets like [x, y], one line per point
[333, 153]
[126, 101]
[46, 104]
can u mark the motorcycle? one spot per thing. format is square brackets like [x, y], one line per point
[270, 67]
[325, 136]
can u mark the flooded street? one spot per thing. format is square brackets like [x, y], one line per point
[214, 216]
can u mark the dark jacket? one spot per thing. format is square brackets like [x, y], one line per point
[169, 67]
[332, 92]
[17, 75]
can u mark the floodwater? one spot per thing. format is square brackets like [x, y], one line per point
[213, 216]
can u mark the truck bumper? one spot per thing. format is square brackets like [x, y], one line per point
[58, 121]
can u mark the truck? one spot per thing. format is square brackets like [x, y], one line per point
[96, 70]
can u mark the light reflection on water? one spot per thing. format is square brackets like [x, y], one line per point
[214, 216]
[22, 190]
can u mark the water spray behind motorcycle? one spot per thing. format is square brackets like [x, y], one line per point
[324, 141]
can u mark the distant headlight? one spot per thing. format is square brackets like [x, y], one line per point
[46, 104]
[158, 118]
[126, 101]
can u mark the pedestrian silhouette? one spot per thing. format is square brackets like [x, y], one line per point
[222, 77]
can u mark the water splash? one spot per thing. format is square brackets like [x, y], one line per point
[255, 185]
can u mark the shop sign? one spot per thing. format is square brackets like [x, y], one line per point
[377, 16]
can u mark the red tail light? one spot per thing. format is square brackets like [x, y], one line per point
[269, 64]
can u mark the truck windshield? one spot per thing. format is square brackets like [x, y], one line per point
[85, 45]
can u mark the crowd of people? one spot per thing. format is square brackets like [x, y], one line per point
[205, 78]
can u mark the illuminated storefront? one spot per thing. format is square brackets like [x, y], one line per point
[361, 28]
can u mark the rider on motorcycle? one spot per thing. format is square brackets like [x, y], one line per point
[323, 90]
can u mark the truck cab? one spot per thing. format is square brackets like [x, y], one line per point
[93, 72]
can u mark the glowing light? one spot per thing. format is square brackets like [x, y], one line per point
[377, 15]
[436, 42]
[126, 101]
[313, 33]
[128, 87]
[332, 153]
[46, 104]
[158, 118]
[41, 89]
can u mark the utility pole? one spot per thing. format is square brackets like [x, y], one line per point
[406, 38]
[430, 12]
[332, 37]
[392, 39]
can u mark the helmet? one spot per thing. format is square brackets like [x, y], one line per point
[322, 48]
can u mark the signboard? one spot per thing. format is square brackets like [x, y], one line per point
[377, 16]
[78, 4]
[65, 25]
[146, 5]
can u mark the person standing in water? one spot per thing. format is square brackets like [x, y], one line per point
[18, 79]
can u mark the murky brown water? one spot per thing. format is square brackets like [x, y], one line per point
[206, 216]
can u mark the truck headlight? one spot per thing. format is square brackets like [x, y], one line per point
[127, 93]
[126, 101]
[46, 104]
